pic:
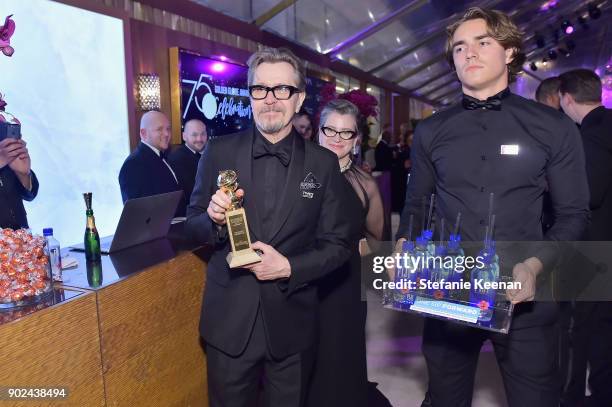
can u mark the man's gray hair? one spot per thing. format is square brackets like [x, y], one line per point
[340, 106]
[276, 55]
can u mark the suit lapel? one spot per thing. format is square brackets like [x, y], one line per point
[290, 190]
[244, 167]
[146, 151]
[156, 164]
[191, 159]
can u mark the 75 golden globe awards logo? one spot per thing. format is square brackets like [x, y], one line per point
[208, 103]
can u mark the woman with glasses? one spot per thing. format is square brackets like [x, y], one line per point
[340, 371]
[339, 133]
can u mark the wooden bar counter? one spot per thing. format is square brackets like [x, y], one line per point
[53, 344]
[144, 303]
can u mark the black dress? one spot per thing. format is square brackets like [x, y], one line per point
[340, 371]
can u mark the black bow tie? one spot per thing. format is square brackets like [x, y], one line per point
[492, 103]
[262, 149]
[163, 155]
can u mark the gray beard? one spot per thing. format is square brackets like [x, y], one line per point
[270, 127]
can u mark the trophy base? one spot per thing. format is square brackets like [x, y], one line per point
[242, 258]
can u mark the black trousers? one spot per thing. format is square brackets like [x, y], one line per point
[527, 359]
[236, 381]
[587, 335]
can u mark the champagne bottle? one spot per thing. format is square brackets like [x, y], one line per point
[92, 239]
[94, 274]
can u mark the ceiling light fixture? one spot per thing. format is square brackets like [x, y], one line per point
[567, 27]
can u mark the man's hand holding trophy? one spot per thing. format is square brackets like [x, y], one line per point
[225, 208]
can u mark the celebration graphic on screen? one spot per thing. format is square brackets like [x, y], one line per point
[215, 92]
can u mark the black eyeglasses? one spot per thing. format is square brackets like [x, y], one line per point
[344, 134]
[280, 92]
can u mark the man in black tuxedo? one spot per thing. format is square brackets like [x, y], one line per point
[146, 172]
[259, 321]
[580, 92]
[17, 183]
[184, 159]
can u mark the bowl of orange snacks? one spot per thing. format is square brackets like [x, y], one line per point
[25, 274]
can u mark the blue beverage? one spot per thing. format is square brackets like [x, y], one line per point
[455, 251]
[421, 270]
[402, 297]
[427, 235]
[439, 273]
[480, 295]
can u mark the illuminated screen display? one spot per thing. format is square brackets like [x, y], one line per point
[215, 92]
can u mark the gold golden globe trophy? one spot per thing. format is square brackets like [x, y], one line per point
[237, 226]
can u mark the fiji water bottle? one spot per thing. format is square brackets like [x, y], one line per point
[480, 295]
[55, 259]
[428, 236]
[402, 297]
[419, 262]
[439, 273]
[455, 251]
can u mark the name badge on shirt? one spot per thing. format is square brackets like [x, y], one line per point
[509, 149]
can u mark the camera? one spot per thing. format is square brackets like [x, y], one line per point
[10, 130]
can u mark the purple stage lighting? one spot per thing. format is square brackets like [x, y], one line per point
[218, 67]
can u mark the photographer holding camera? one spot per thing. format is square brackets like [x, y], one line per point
[17, 183]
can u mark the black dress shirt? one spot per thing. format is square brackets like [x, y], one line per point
[12, 195]
[596, 130]
[270, 173]
[463, 155]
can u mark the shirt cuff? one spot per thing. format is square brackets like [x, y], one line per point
[548, 252]
[220, 237]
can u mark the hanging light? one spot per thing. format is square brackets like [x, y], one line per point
[567, 27]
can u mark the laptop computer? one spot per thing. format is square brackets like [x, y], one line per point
[142, 220]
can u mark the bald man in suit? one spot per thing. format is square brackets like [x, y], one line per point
[146, 172]
[184, 159]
